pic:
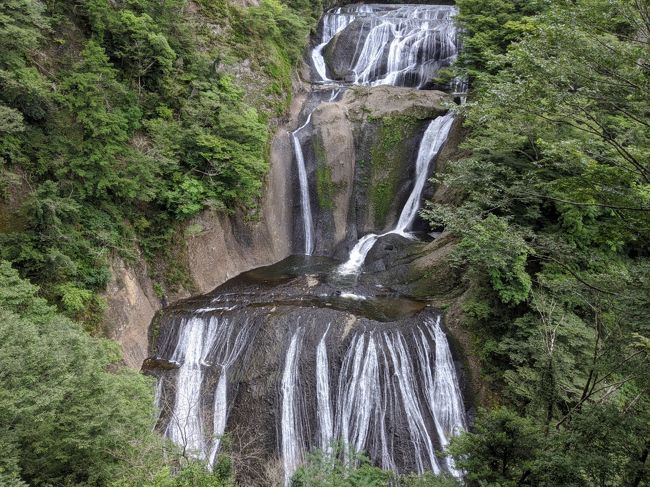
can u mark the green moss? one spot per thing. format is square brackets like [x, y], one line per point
[386, 161]
[326, 188]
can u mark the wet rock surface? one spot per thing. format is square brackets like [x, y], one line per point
[245, 329]
[359, 152]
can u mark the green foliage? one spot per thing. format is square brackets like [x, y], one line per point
[482, 247]
[601, 448]
[120, 120]
[65, 417]
[69, 413]
[329, 470]
[499, 450]
[323, 469]
[490, 26]
[554, 233]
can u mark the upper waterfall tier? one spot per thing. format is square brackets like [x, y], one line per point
[399, 45]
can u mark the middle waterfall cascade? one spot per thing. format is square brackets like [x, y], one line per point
[308, 225]
[281, 357]
[432, 142]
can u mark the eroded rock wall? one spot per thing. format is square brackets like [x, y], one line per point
[218, 246]
[361, 158]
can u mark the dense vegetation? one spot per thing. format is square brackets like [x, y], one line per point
[69, 413]
[554, 229]
[118, 120]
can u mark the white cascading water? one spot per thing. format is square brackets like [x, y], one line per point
[383, 381]
[432, 142]
[323, 397]
[230, 341]
[403, 46]
[443, 396]
[185, 426]
[304, 189]
[292, 440]
[203, 342]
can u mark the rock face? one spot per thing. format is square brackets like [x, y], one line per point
[228, 245]
[334, 160]
[360, 154]
[131, 305]
[217, 247]
[339, 57]
[287, 363]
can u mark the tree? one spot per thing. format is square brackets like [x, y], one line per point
[557, 192]
[500, 449]
[64, 416]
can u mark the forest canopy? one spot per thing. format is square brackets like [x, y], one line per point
[554, 237]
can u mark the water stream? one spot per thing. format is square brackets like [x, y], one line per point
[432, 142]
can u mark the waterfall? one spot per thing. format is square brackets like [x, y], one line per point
[233, 338]
[206, 342]
[403, 46]
[323, 396]
[379, 386]
[358, 254]
[432, 142]
[389, 391]
[444, 398]
[304, 189]
[185, 427]
[282, 348]
[292, 442]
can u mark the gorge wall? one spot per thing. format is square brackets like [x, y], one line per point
[360, 183]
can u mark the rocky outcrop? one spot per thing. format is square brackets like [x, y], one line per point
[223, 246]
[131, 305]
[333, 146]
[217, 247]
[276, 339]
[360, 157]
[339, 57]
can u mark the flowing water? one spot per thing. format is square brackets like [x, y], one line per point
[285, 359]
[308, 225]
[399, 45]
[432, 141]
[385, 379]
[348, 372]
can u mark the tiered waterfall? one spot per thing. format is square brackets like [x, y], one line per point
[290, 358]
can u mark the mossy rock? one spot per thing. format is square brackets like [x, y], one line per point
[389, 157]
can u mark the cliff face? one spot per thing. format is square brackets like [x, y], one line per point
[361, 163]
[216, 247]
[359, 154]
